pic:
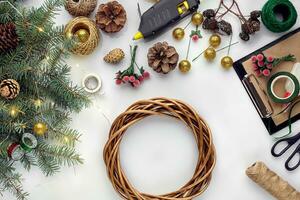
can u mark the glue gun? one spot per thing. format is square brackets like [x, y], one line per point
[163, 14]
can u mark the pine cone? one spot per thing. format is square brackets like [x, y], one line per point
[209, 13]
[210, 24]
[244, 36]
[111, 17]
[225, 27]
[162, 58]
[9, 88]
[8, 37]
[114, 56]
[248, 28]
[255, 14]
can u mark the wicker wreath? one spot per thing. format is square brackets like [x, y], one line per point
[80, 7]
[83, 48]
[163, 107]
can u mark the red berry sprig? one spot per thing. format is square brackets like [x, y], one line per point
[129, 76]
[263, 65]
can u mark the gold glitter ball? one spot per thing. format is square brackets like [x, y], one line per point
[215, 40]
[210, 54]
[178, 33]
[197, 18]
[227, 62]
[83, 35]
[185, 66]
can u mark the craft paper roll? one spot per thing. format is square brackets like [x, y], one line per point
[271, 182]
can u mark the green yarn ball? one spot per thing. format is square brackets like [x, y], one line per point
[274, 8]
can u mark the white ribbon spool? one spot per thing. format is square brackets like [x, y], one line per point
[87, 85]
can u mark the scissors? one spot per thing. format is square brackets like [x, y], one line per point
[290, 142]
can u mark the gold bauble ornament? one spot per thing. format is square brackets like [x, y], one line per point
[226, 62]
[178, 33]
[184, 66]
[215, 40]
[13, 111]
[83, 35]
[210, 54]
[197, 18]
[40, 128]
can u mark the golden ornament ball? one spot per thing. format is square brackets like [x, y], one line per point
[215, 40]
[178, 33]
[40, 128]
[185, 66]
[197, 18]
[210, 54]
[83, 35]
[226, 62]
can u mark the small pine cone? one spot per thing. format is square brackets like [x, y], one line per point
[111, 17]
[162, 58]
[114, 56]
[209, 13]
[255, 25]
[210, 24]
[244, 36]
[9, 89]
[8, 37]
[255, 14]
[248, 28]
[225, 27]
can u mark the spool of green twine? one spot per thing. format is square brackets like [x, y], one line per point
[279, 15]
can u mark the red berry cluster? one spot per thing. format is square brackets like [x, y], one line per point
[262, 65]
[129, 75]
[135, 80]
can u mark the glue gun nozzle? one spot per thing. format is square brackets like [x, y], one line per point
[138, 36]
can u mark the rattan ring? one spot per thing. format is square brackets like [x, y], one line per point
[162, 107]
[80, 7]
[83, 48]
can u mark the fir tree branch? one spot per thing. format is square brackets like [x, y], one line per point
[50, 157]
[11, 181]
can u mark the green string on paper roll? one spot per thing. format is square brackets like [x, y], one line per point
[279, 15]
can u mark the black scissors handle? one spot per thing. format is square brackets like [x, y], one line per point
[289, 141]
[287, 163]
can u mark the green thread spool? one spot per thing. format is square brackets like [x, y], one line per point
[279, 15]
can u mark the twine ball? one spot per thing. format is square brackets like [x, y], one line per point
[169, 108]
[80, 7]
[83, 48]
[270, 13]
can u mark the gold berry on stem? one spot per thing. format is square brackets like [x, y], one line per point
[83, 35]
[197, 18]
[185, 66]
[226, 62]
[40, 128]
[210, 54]
[178, 33]
[215, 40]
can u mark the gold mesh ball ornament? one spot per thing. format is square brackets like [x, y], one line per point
[80, 7]
[78, 23]
[161, 107]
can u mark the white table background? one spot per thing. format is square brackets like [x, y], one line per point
[159, 155]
